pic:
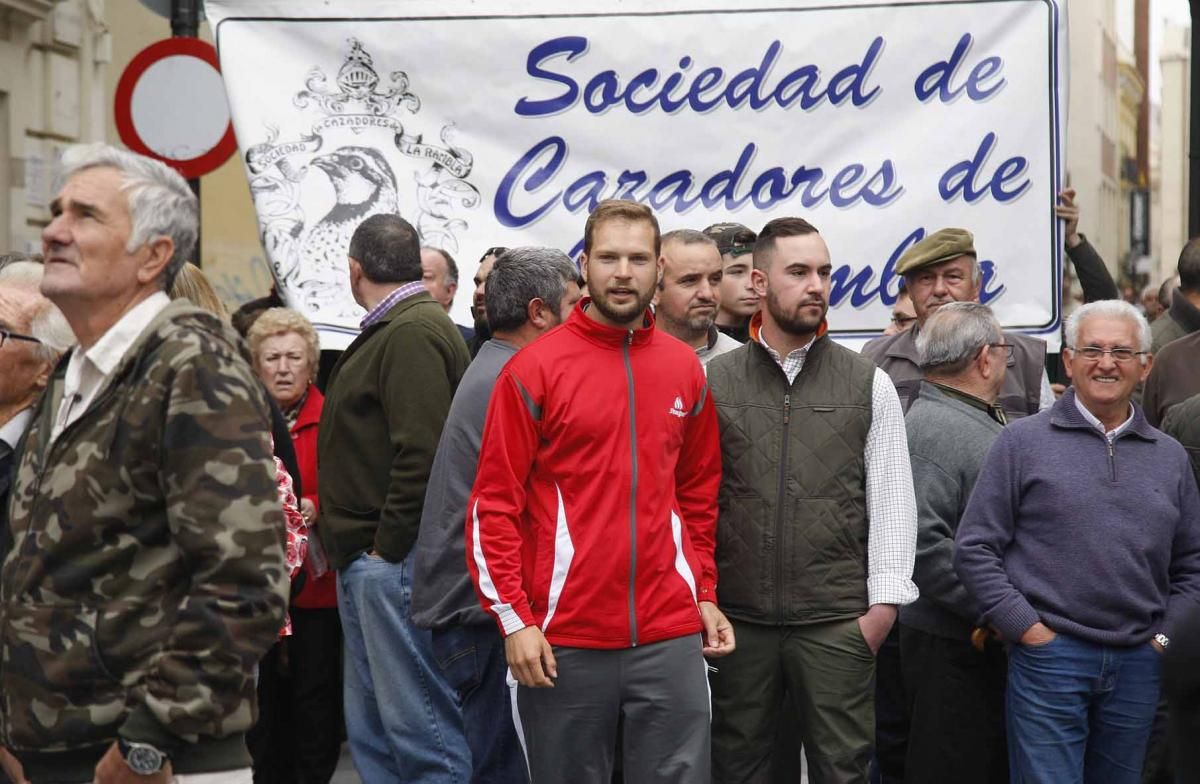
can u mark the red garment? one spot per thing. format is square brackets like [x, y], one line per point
[549, 532]
[320, 591]
[296, 547]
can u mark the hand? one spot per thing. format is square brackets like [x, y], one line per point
[12, 767]
[308, 510]
[1068, 212]
[718, 631]
[1038, 634]
[1058, 389]
[112, 770]
[876, 623]
[530, 658]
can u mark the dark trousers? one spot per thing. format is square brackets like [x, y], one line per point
[891, 713]
[823, 673]
[956, 709]
[299, 733]
[656, 693]
[473, 662]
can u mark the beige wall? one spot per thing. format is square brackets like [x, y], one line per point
[231, 255]
[1171, 227]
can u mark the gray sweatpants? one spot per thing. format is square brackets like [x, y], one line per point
[660, 691]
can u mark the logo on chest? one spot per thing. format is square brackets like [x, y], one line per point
[677, 408]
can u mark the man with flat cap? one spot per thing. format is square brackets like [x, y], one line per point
[940, 269]
[738, 300]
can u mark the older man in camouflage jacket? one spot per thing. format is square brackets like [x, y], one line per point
[146, 576]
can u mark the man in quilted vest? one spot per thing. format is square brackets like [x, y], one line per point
[817, 526]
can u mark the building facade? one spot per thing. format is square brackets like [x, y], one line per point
[53, 61]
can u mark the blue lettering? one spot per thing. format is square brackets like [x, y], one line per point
[645, 79]
[536, 178]
[842, 180]
[605, 83]
[671, 104]
[748, 83]
[587, 191]
[572, 46]
[962, 178]
[707, 79]
[939, 78]
[721, 188]
[887, 190]
[850, 79]
[674, 187]
[628, 184]
[812, 179]
[987, 294]
[798, 84]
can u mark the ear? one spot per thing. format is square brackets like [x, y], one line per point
[538, 314]
[452, 289]
[355, 269]
[42, 379]
[1146, 368]
[661, 268]
[1066, 363]
[159, 253]
[758, 279]
[583, 267]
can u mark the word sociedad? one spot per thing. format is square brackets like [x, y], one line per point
[701, 92]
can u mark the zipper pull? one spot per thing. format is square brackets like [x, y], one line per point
[787, 408]
[629, 338]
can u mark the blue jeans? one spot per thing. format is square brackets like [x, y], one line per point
[473, 662]
[402, 719]
[1080, 712]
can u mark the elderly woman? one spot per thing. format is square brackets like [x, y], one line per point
[306, 739]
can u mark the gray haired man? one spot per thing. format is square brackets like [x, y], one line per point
[529, 291]
[146, 576]
[955, 688]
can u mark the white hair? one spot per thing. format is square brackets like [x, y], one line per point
[953, 336]
[1112, 309]
[47, 322]
[160, 201]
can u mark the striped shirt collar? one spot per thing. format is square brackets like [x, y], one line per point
[401, 292]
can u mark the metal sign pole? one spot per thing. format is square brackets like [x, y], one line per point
[185, 23]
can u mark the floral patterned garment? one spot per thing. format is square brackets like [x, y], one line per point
[297, 531]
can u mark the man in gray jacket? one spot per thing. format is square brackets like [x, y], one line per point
[529, 291]
[955, 688]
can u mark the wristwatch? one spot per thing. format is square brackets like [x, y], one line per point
[1163, 640]
[142, 758]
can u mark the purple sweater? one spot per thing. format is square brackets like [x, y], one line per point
[1099, 543]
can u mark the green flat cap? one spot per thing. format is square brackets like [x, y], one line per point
[940, 246]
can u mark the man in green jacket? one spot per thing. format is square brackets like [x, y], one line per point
[385, 404]
[817, 530]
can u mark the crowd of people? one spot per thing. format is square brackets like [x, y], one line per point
[644, 520]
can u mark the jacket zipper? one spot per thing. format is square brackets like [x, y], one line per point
[1112, 460]
[632, 492]
[779, 505]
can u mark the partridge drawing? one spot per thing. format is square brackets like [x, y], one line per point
[364, 185]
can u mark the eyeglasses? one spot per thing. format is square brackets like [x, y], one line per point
[6, 336]
[1094, 353]
[900, 320]
[1008, 349]
[497, 251]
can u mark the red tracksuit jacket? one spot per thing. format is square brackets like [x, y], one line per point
[595, 506]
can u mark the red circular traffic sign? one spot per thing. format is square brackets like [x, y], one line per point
[184, 158]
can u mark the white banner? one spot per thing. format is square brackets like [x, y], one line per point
[503, 123]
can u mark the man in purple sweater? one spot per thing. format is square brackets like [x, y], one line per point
[1081, 544]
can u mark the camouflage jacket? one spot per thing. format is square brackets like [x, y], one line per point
[146, 576]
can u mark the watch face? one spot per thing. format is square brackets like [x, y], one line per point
[144, 760]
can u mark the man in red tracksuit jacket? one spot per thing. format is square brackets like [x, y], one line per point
[591, 527]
